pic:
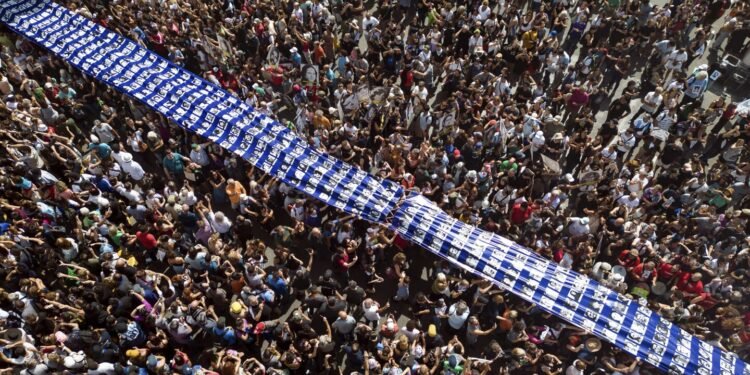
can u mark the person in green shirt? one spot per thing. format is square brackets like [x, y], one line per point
[506, 165]
[174, 165]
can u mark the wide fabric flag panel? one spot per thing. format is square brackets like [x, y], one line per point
[202, 108]
[222, 118]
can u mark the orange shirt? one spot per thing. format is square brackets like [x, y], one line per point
[234, 191]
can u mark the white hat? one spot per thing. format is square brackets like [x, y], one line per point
[94, 138]
[151, 135]
[293, 50]
[127, 157]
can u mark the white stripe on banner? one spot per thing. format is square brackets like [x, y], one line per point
[219, 116]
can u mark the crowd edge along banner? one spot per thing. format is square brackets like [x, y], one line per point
[222, 118]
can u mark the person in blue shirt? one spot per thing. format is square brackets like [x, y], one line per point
[697, 84]
[225, 334]
[102, 150]
[278, 283]
[138, 35]
[295, 56]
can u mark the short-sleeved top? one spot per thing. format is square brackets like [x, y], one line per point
[175, 164]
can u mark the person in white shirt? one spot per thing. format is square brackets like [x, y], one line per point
[476, 41]
[425, 120]
[651, 102]
[458, 313]
[126, 190]
[553, 199]
[666, 118]
[104, 131]
[609, 153]
[578, 226]
[537, 140]
[675, 60]
[369, 22]
[630, 201]
[484, 12]
[219, 222]
[131, 167]
[154, 200]
[420, 91]
[371, 310]
[637, 183]
[626, 141]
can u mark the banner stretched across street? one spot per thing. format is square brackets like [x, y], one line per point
[222, 118]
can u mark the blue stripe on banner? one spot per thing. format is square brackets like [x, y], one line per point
[339, 189]
[325, 178]
[47, 33]
[740, 367]
[215, 114]
[220, 125]
[282, 160]
[622, 332]
[671, 344]
[132, 60]
[648, 346]
[716, 361]
[692, 366]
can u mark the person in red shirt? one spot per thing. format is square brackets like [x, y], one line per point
[520, 212]
[146, 240]
[275, 75]
[667, 272]
[629, 259]
[341, 262]
[691, 286]
[407, 80]
[644, 272]
[578, 99]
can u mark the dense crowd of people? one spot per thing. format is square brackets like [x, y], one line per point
[579, 129]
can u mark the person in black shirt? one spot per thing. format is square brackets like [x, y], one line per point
[354, 293]
[331, 309]
[328, 285]
[422, 309]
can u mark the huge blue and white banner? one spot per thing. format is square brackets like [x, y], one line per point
[219, 116]
[562, 292]
[201, 107]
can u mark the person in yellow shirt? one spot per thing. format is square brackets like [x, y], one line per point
[234, 191]
[530, 38]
